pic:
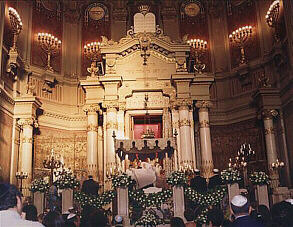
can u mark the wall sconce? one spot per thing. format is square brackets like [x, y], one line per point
[239, 37]
[51, 45]
[198, 49]
[277, 164]
[272, 17]
[93, 52]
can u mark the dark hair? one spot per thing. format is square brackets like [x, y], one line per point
[264, 214]
[189, 215]
[53, 219]
[240, 210]
[90, 176]
[97, 218]
[31, 212]
[8, 194]
[176, 222]
[282, 213]
[215, 216]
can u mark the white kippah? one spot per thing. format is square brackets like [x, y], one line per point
[216, 170]
[196, 170]
[66, 212]
[289, 201]
[71, 215]
[239, 200]
[118, 218]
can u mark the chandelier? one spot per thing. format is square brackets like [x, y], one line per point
[239, 37]
[50, 45]
[198, 49]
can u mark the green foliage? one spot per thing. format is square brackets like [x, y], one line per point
[259, 178]
[39, 185]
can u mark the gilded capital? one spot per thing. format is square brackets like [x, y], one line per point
[184, 104]
[204, 124]
[93, 108]
[112, 105]
[122, 106]
[92, 128]
[28, 122]
[203, 104]
[184, 122]
[269, 114]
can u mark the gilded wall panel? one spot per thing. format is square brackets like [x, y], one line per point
[70, 147]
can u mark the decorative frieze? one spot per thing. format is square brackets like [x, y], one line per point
[28, 122]
[63, 117]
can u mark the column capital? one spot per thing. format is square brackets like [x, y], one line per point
[122, 106]
[204, 104]
[92, 128]
[269, 113]
[28, 122]
[92, 108]
[111, 105]
[183, 104]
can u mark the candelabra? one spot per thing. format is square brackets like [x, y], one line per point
[272, 17]
[198, 49]
[21, 176]
[239, 37]
[50, 45]
[16, 25]
[187, 169]
[93, 52]
[52, 163]
[145, 42]
[277, 165]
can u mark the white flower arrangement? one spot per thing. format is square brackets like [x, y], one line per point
[177, 178]
[95, 201]
[259, 178]
[122, 181]
[230, 176]
[149, 219]
[39, 185]
[67, 181]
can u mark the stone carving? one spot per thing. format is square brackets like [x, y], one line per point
[92, 108]
[184, 122]
[203, 105]
[204, 124]
[269, 114]
[92, 127]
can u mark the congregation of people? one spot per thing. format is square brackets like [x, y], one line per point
[14, 212]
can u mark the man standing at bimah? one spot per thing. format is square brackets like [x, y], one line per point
[215, 180]
[90, 187]
[11, 208]
[198, 183]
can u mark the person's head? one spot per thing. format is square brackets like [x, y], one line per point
[215, 217]
[189, 215]
[97, 218]
[31, 212]
[90, 177]
[10, 198]
[282, 213]
[240, 205]
[263, 214]
[197, 172]
[216, 171]
[53, 219]
[118, 221]
[176, 222]
[72, 220]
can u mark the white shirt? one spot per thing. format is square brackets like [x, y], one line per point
[10, 218]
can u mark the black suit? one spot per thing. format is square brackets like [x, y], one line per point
[245, 221]
[90, 187]
[199, 184]
[214, 181]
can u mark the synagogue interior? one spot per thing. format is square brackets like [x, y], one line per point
[151, 92]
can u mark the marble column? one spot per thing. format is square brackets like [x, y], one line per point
[100, 154]
[26, 155]
[92, 139]
[167, 131]
[192, 138]
[175, 126]
[271, 147]
[185, 134]
[205, 138]
[111, 126]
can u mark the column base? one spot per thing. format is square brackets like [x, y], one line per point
[207, 169]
